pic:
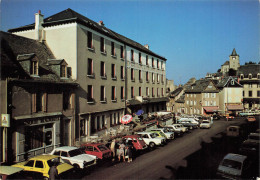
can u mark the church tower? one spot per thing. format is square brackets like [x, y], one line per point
[234, 60]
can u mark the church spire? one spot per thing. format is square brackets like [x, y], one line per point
[234, 53]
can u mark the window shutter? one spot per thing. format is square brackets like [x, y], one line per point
[34, 102]
[45, 102]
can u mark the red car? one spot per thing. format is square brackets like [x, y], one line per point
[97, 149]
[136, 140]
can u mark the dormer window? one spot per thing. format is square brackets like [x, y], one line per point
[258, 76]
[241, 76]
[34, 67]
[250, 76]
[63, 71]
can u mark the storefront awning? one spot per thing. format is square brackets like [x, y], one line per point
[210, 108]
[235, 107]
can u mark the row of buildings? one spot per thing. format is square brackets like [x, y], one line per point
[234, 88]
[66, 77]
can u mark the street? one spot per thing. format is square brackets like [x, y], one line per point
[163, 162]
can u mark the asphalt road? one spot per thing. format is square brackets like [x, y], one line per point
[162, 162]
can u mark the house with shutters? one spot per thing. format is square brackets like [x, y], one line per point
[116, 75]
[38, 96]
[230, 95]
[202, 98]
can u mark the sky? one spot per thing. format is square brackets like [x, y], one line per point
[195, 36]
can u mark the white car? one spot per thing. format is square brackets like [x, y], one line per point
[191, 120]
[233, 166]
[178, 128]
[151, 139]
[169, 135]
[75, 156]
[205, 124]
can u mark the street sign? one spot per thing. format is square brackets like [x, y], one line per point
[5, 120]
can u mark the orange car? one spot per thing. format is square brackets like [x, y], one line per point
[251, 118]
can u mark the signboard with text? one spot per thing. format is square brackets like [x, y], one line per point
[5, 120]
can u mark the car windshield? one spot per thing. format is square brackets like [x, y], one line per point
[253, 137]
[102, 147]
[232, 164]
[205, 121]
[153, 135]
[75, 152]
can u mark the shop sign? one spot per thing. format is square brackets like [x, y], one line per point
[5, 120]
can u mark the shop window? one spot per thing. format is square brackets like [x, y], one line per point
[34, 137]
[83, 127]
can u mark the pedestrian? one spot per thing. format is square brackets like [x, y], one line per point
[53, 172]
[112, 148]
[129, 153]
[121, 151]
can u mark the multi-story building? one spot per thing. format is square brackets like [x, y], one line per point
[37, 98]
[113, 71]
[201, 97]
[249, 77]
[230, 95]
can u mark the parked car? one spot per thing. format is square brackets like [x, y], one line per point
[251, 118]
[178, 129]
[176, 133]
[41, 164]
[205, 124]
[233, 131]
[189, 125]
[151, 139]
[234, 166]
[136, 140]
[254, 137]
[169, 135]
[250, 148]
[97, 149]
[75, 156]
[191, 120]
[160, 134]
[10, 172]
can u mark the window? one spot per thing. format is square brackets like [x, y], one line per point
[102, 44]
[147, 64]
[243, 93]
[153, 92]
[157, 77]
[187, 102]
[103, 120]
[34, 137]
[121, 52]
[258, 93]
[90, 94]
[140, 75]
[161, 65]
[39, 102]
[157, 63]
[90, 67]
[63, 71]
[232, 82]
[162, 92]
[113, 53]
[122, 92]
[113, 71]
[98, 123]
[102, 69]
[132, 92]
[132, 55]
[258, 76]
[147, 91]
[147, 76]
[241, 76]
[132, 74]
[68, 100]
[113, 95]
[140, 91]
[250, 85]
[157, 92]
[102, 93]
[90, 44]
[153, 77]
[153, 62]
[140, 58]
[82, 129]
[162, 79]
[34, 67]
[122, 74]
[250, 93]
[250, 76]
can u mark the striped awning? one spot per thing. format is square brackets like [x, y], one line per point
[210, 108]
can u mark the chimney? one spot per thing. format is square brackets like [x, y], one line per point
[38, 25]
[101, 23]
[146, 46]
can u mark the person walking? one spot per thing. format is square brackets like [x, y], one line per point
[53, 172]
[112, 148]
[121, 151]
[129, 153]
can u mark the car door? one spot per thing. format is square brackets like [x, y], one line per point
[29, 166]
[39, 167]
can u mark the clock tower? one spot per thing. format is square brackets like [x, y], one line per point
[234, 60]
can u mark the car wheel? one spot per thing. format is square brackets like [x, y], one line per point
[151, 145]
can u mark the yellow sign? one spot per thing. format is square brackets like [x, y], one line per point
[5, 120]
